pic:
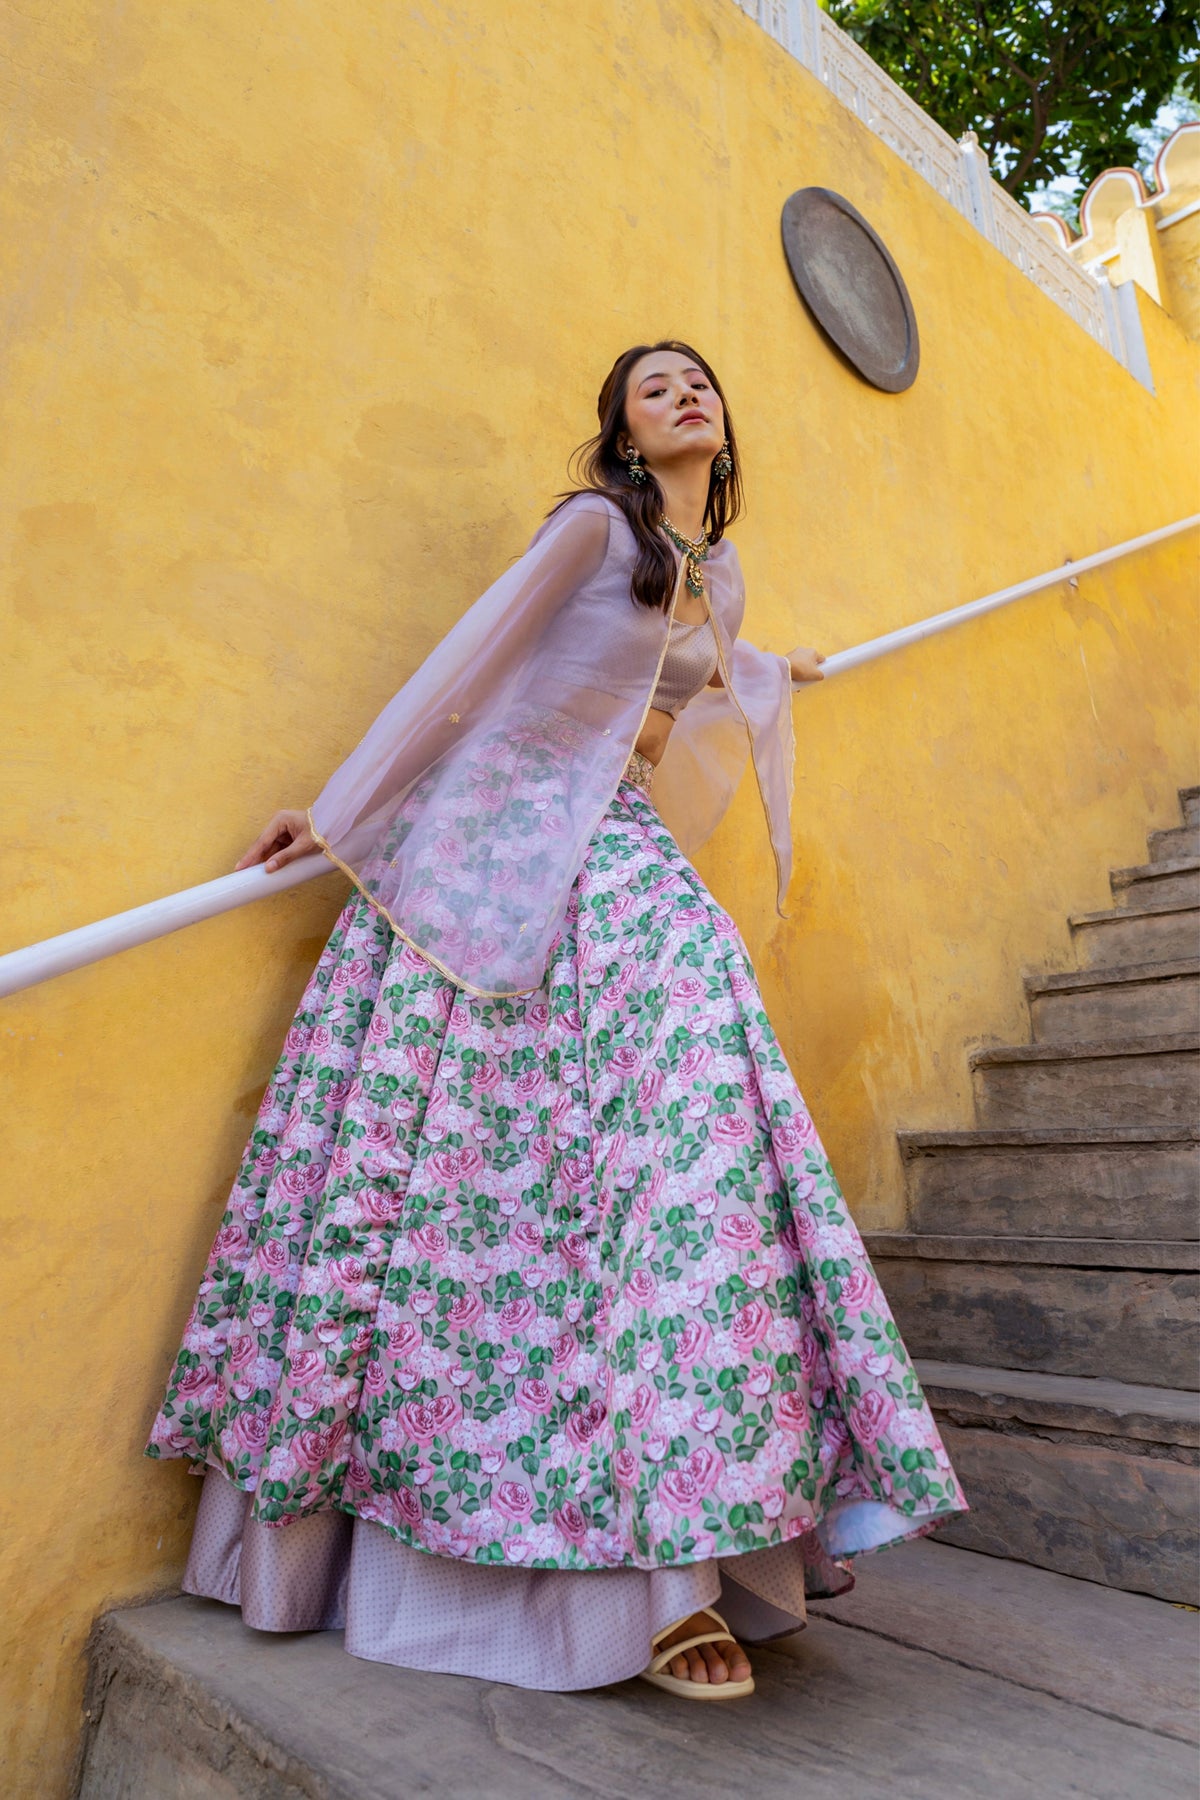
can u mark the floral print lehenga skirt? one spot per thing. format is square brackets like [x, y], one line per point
[535, 1324]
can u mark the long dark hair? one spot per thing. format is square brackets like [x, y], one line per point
[601, 469]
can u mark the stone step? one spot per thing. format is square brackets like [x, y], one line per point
[1061, 1252]
[184, 1703]
[1153, 883]
[1080, 1403]
[1035, 1628]
[1132, 1323]
[1092, 1478]
[1129, 934]
[1147, 1000]
[1139, 1081]
[1180, 840]
[1123, 1181]
[1189, 801]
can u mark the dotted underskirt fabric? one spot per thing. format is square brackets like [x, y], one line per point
[552, 1629]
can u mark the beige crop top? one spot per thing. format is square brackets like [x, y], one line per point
[689, 665]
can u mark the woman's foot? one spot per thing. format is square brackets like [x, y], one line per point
[707, 1663]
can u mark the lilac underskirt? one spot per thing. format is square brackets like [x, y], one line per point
[536, 1628]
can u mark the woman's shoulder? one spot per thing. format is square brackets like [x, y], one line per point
[584, 509]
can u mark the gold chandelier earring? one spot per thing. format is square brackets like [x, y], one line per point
[637, 468]
[722, 464]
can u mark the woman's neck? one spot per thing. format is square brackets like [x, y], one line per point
[685, 496]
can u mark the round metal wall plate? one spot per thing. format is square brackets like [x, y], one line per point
[850, 284]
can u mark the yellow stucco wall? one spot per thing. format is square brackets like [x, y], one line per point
[306, 308]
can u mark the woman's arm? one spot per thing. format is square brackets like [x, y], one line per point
[805, 665]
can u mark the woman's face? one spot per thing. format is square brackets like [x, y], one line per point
[672, 410]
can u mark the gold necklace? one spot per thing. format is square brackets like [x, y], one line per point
[696, 552]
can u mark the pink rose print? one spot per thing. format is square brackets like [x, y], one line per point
[643, 1407]
[800, 1229]
[583, 1425]
[641, 1287]
[574, 1248]
[692, 1343]
[625, 1468]
[571, 1522]
[576, 1172]
[251, 1431]
[430, 1241]
[464, 1310]
[835, 1436]
[557, 1218]
[740, 1231]
[684, 1488]
[750, 1325]
[296, 1184]
[791, 1410]
[794, 1134]
[423, 1420]
[694, 1061]
[731, 1128]
[857, 1292]
[406, 1506]
[869, 1416]
[516, 1316]
[306, 1367]
[312, 1449]
[227, 1240]
[453, 1166]
[403, 1339]
[513, 1499]
[380, 1205]
[649, 1088]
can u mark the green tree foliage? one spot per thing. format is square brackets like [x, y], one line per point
[1051, 87]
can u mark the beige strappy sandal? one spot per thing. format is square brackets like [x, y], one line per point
[693, 1690]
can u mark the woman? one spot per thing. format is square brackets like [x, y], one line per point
[536, 1325]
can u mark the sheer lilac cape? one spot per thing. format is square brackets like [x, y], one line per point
[465, 812]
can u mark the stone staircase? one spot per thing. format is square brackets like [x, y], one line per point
[1047, 1283]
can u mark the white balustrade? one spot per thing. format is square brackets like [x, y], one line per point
[960, 172]
[142, 924]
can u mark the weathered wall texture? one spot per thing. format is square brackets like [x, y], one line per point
[306, 307]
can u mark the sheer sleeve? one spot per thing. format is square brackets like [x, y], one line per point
[469, 673]
[467, 809]
[747, 718]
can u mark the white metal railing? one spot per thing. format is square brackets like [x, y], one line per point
[92, 943]
[958, 170]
